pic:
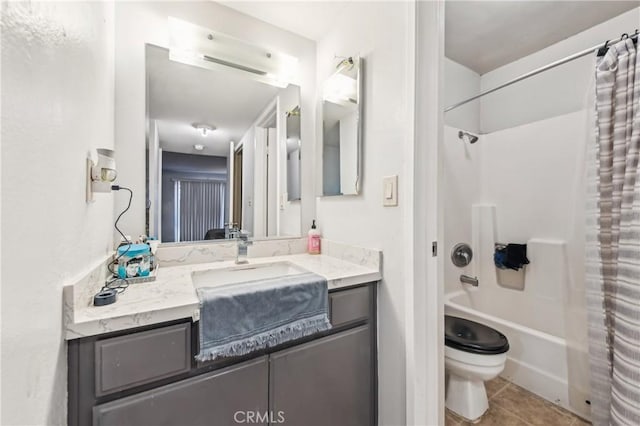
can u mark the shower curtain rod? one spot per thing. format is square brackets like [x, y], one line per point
[542, 69]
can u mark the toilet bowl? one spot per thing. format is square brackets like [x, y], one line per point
[473, 354]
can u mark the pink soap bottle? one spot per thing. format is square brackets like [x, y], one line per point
[313, 240]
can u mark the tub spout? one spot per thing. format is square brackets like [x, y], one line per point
[469, 280]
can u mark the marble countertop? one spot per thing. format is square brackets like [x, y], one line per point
[172, 295]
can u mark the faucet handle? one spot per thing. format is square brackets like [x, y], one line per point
[243, 236]
[461, 255]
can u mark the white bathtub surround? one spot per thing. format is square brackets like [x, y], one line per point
[173, 296]
[549, 356]
[544, 321]
[483, 237]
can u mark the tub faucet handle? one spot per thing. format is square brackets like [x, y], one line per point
[461, 255]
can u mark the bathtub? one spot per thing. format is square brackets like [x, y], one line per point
[551, 367]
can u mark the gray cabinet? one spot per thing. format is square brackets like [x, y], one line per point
[135, 359]
[148, 376]
[223, 397]
[349, 306]
[324, 382]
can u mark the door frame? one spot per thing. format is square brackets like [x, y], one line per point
[425, 294]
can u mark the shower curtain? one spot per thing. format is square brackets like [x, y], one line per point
[613, 240]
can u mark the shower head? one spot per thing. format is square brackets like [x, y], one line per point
[470, 137]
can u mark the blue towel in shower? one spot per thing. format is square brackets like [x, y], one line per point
[237, 319]
[499, 258]
[511, 256]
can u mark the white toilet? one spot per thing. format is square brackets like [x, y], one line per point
[473, 354]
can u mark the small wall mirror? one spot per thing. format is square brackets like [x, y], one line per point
[341, 130]
[223, 151]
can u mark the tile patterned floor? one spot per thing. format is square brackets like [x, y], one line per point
[511, 405]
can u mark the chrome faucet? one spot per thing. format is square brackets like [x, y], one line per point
[469, 280]
[243, 244]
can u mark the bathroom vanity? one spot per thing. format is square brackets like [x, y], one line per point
[147, 374]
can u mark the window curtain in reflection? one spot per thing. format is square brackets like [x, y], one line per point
[199, 208]
[613, 240]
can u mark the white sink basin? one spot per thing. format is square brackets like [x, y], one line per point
[243, 273]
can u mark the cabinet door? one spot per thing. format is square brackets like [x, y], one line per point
[324, 382]
[220, 398]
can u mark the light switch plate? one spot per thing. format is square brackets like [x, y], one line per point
[390, 191]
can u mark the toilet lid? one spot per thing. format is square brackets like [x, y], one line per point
[470, 336]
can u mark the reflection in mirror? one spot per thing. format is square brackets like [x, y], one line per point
[222, 155]
[341, 145]
[293, 154]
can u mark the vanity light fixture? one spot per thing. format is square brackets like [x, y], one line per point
[194, 45]
[101, 175]
[345, 63]
[203, 128]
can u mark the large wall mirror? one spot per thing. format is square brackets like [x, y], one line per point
[341, 130]
[223, 151]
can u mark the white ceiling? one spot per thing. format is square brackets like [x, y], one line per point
[484, 35]
[180, 95]
[310, 19]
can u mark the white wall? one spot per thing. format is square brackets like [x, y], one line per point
[555, 92]
[138, 23]
[57, 99]
[461, 83]
[387, 143]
